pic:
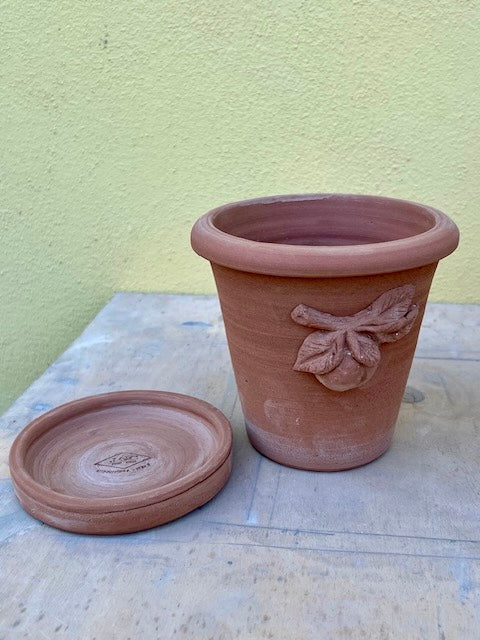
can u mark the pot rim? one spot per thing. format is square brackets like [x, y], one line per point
[297, 260]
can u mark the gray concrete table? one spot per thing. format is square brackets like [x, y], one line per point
[389, 550]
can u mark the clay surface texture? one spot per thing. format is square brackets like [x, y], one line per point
[357, 270]
[121, 462]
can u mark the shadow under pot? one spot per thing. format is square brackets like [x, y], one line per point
[323, 297]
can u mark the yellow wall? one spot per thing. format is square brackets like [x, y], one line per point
[123, 120]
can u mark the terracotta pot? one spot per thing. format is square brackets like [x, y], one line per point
[323, 297]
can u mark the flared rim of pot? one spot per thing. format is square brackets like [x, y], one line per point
[324, 235]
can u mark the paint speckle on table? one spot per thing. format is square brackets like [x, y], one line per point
[41, 406]
[196, 323]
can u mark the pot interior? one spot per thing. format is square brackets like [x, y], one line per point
[330, 220]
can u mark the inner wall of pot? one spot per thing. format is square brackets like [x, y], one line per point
[330, 221]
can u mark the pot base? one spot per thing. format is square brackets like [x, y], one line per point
[320, 455]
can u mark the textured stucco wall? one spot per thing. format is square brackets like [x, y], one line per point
[122, 121]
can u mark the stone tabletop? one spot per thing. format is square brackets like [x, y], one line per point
[389, 550]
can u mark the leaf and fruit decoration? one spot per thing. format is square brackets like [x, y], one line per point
[343, 353]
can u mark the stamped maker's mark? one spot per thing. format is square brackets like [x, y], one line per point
[123, 463]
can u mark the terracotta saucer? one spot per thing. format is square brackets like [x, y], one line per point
[121, 462]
